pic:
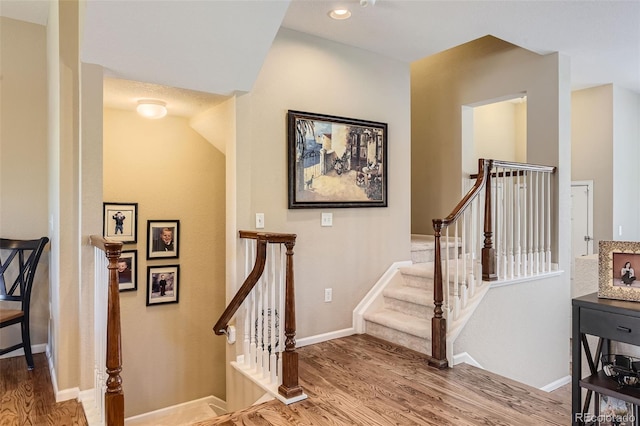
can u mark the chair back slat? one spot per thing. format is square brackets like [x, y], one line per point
[17, 271]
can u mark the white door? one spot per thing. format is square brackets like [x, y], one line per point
[581, 220]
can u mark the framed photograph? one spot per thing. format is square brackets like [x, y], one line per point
[163, 239]
[127, 268]
[618, 262]
[616, 412]
[336, 161]
[120, 222]
[162, 284]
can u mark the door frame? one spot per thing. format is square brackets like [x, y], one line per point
[589, 185]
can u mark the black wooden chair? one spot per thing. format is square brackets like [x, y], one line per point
[18, 263]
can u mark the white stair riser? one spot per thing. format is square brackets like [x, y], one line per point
[413, 309]
[403, 339]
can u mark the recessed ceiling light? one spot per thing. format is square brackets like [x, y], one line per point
[340, 14]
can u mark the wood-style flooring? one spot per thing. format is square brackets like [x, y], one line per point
[26, 397]
[361, 380]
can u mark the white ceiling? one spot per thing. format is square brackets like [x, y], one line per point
[218, 46]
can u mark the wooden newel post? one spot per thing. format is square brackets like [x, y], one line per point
[114, 397]
[290, 387]
[438, 322]
[488, 252]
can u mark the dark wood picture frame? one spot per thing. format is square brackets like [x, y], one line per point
[158, 244]
[121, 217]
[336, 161]
[159, 293]
[128, 277]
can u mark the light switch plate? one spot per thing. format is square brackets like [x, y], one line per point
[327, 219]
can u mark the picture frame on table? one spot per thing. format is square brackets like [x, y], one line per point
[120, 222]
[618, 262]
[336, 161]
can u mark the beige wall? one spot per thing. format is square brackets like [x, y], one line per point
[170, 354]
[499, 132]
[23, 156]
[306, 73]
[473, 73]
[592, 153]
[481, 70]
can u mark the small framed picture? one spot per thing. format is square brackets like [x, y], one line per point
[163, 239]
[163, 284]
[618, 262]
[120, 221]
[127, 268]
[616, 412]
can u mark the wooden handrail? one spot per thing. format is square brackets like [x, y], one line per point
[488, 256]
[222, 324]
[263, 238]
[438, 322]
[289, 387]
[114, 397]
[520, 167]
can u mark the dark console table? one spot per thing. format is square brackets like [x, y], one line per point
[609, 320]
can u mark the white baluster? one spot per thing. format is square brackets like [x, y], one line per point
[549, 222]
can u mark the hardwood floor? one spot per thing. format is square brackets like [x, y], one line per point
[361, 380]
[356, 380]
[26, 397]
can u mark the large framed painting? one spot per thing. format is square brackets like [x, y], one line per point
[120, 222]
[336, 161]
[618, 262]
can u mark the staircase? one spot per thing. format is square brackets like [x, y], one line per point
[403, 313]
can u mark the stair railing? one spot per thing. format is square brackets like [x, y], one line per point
[500, 230]
[109, 396]
[258, 306]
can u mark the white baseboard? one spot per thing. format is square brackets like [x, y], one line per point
[36, 349]
[374, 294]
[466, 358]
[556, 384]
[61, 395]
[312, 340]
[148, 418]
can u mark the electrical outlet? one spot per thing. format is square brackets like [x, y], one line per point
[328, 294]
[327, 219]
[259, 220]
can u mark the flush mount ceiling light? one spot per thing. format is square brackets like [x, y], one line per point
[340, 14]
[150, 108]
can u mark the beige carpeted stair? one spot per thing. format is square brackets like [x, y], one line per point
[404, 316]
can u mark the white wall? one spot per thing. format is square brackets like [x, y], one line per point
[521, 331]
[626, 164]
